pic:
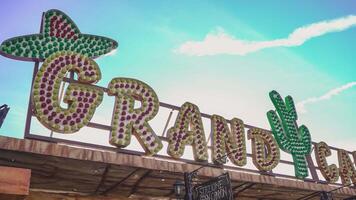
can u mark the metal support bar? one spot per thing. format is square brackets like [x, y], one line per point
[134, 187]
[30, 106]
[312, 168]
[167, 123]
[120, 182]
[4, 109]
[188, 185]
[103, 178]
[209, 138]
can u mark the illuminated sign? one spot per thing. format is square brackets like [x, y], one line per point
[82, 100]
[188, 130]
[59, 33]
[127, 120]
[265, 151]
[330, 172]
[228, 142]
[291, 138]
[62, 49]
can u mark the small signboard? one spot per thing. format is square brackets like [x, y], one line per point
[218, 188]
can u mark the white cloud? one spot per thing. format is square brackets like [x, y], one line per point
[219, 42]
[336, 91]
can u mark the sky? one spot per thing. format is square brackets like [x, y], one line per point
[223, 56]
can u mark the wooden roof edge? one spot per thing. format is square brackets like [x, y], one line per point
[68, 195]
[111, 157]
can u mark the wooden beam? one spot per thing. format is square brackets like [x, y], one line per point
[14, 182]
[243, 189]
[240, 185]
[36, 195]
[57, 196]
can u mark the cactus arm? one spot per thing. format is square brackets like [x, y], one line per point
[278, 103]
[306, 139]
[278, 132]
[283, 113]
[291, 108]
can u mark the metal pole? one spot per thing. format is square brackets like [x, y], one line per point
[30, 106]
[188, 185]
[4, 109]
[168, 120]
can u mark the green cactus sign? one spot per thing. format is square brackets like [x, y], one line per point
[290, 137]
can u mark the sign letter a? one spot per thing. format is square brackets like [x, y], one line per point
[188, 129]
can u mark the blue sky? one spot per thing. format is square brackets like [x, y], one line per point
[320, 72]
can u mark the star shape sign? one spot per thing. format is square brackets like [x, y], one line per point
[58, 33]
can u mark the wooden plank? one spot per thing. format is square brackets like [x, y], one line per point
[14, 182]
[11, 197]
